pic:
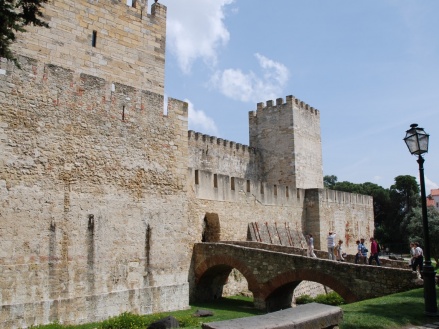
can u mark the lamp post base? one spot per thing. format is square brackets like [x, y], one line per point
[429, 274]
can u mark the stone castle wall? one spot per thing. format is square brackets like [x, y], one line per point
[88, 195]
[239, 207]
[102, 196]
[88, 198]
[129, 43]
[282, 214]
[221, 156]
[349, 215]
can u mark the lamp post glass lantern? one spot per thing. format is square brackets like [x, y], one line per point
[416, 140]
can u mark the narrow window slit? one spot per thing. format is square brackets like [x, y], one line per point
[94, 38]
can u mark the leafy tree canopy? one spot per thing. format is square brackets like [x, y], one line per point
[389, 205]
[329, 181]
[14, 16]
[405, 194]
[412, 225]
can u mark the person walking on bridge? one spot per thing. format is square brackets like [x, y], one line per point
[310, 244]
[361, 252]
[374, 252]
[331, 245]
[339, 251]
[418, 259]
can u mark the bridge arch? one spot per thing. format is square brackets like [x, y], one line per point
[277, 293]
[211, 275]
[273, 272]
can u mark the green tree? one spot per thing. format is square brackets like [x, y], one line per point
[381, 197]
[14, 16]
[329, 181]
[412, 225]
[381, 203]
[389, 205]
[405, 194]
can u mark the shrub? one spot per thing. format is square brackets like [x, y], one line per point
[134, 321]
[126, 321]
[331, 298]
[304, 299]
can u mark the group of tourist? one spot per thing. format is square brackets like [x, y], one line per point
[335, 250]
[361, 255]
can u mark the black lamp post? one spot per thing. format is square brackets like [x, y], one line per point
[417, 142]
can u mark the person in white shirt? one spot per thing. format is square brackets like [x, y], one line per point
[339, 251]
[418, 258]
[331, 245]
[310, 243]
[412, 253]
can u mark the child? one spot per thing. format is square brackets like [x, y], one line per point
[339, 252]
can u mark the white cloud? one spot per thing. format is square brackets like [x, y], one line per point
[199, 121]
[195, 29]
[377, 178]
[430, 185]
[246, 87]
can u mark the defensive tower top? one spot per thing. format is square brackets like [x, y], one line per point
[291, 101]
[287, 136]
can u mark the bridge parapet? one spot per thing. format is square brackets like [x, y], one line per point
[273, 275]
[302, 251]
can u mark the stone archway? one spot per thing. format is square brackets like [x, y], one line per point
[211, 228]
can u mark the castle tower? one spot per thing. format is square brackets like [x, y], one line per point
[287, 135]
[112, 40]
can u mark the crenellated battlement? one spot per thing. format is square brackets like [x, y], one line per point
[219, 187]
[333, 196]
[215, 141]
[290, 103]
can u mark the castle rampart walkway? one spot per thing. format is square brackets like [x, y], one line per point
[273, 275]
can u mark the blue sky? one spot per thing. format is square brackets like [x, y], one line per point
[370, 67]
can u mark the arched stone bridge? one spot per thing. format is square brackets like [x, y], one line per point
[273, 272]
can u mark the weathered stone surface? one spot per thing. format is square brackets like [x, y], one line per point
[309, 316]
[203, 313]
[273, 272]
[165, 323]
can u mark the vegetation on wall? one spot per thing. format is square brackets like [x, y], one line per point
[14, 16]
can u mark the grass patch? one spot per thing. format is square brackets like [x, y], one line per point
[393, 311]
[223, 309]
[226, 309]
[389, 312]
